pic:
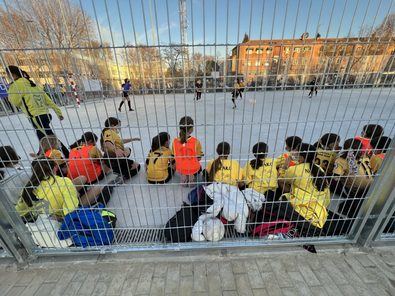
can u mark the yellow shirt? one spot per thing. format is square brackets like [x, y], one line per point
[113, 137]
[57, 194]
[230, 172]
[376, 161]
[325, 159]
[304, 197]
[32, 100]
[262, 179]
[158, 164]
[355, 182]
[60, 193]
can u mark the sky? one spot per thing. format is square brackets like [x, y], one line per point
[224, 22]
[221, 24]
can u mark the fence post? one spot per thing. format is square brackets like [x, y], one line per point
[13, 232]
[379, 204]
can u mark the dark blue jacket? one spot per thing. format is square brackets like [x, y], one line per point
[87, 227]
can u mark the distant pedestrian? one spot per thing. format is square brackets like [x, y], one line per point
[313, 88]
[235, 92]
[125, 94]
[241, 88]
[198, 89]
[74, 92]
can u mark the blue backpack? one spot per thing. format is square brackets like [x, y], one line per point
[88, 227]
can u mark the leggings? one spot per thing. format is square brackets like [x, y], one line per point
[41, 124]
[123, 166]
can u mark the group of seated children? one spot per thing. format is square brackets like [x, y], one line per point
[297, 184]
[65, 184]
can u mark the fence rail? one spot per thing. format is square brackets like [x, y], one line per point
[122, 74]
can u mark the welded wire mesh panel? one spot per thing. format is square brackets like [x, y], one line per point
[239, 122]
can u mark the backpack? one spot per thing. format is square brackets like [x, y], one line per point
[88, 226]
[274, 227]
[179, 227]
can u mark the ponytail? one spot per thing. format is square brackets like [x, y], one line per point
[186, 123]
[42, 169]
[223, 149]
[25, 75]
[308, 152]
[260, 152]
[159, 140]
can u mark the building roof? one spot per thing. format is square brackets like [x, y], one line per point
[308, 41]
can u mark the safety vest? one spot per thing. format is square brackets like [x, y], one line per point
[186, 157]
[80, 164]
[366, 147]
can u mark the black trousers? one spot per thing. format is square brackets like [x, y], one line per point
[41, 124]
[198, 95]
[123, 166]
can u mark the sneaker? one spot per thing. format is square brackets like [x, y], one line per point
[119, 109]
[131, 109]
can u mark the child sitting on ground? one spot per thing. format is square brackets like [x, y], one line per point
[352, 176]
[60, 193]
[187, 152]
[159, 163]
[380, 146]
[9, 160]
[369, 132]
[326, 153]
[222, 169]
[260, 173]
[85, 159]
[286, 160]
[49, 147]
[116, 152]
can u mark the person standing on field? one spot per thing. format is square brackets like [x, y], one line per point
[34, 102]
[125, 94]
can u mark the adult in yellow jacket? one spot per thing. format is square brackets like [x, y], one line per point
[34, 102]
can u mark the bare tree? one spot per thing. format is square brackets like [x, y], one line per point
[173, 56]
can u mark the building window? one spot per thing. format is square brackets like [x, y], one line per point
[249, 50]
[249, 63]
[306, 49]
[287, 50]
[257, 63]
[294, 61]
[259, 51]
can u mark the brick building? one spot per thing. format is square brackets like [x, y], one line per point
[295, 61]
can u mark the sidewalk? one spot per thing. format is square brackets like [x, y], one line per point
[299, 273]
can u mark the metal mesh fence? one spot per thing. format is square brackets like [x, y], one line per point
[307, 119]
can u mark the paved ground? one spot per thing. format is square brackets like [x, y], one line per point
[296, 273]
[260, 116]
